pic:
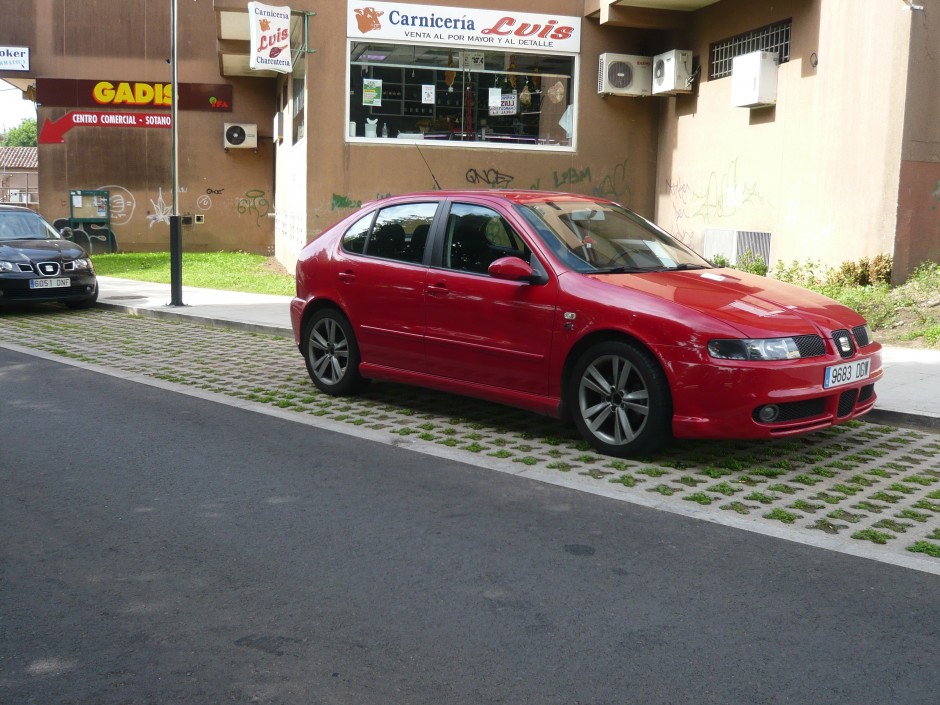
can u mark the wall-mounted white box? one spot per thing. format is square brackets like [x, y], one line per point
[754, 80]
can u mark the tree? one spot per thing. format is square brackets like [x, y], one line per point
[23, 135]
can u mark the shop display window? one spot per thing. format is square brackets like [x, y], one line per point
[454, 95]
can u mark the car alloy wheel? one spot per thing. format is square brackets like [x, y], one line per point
[332, 354]
[620, 399]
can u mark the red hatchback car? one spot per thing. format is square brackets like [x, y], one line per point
[575, 307]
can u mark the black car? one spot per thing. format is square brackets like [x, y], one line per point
[37, 264]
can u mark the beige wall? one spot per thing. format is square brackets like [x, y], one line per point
[233, 190]
[820, 170]
[918, 233]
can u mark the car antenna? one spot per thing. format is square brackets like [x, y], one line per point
[429, 168]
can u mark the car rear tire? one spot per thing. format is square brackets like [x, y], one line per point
[620, 400]
[332, 354]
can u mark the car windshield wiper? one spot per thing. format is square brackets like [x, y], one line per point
[682, 267]
[621, 270]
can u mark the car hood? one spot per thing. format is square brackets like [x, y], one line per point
[30, 250]
[754, 305]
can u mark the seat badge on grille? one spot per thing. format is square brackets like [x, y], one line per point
[845, 344]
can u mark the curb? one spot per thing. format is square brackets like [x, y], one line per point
[212, 322]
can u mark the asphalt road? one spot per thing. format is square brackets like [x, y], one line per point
[159, 548]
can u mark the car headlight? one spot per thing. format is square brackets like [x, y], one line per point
[82, 263]
[6, 266]
[754, 349]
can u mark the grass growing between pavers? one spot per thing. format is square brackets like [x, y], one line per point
[877, 485]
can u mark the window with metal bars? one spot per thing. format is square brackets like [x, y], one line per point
[775, 38]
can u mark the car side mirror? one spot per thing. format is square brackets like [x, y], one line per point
[513, 269]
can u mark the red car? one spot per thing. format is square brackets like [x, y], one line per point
[575, 307]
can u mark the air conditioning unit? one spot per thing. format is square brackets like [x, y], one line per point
[240, 135]
[754, 80]
[625, 74]
[671, 72]
[733, 245]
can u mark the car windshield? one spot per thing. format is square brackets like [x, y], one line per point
[25, 225]
[594, 238]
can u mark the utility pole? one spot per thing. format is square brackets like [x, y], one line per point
[176, 235]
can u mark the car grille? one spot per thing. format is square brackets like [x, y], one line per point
[866, 393]
[861, 336]
[843, 342]
[810, 345]
[20, 295]
[847, 402]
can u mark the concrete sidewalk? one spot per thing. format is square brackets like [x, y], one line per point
[908, 395]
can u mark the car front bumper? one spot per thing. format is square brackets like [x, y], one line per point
[723, 398]
[16, 289]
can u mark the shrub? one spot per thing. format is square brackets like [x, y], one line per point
[864, 272]
[752, 263]
[721, 261]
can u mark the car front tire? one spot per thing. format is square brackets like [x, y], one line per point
[332, 354]
[620, 400]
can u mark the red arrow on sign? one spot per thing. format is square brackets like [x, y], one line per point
[53, 131]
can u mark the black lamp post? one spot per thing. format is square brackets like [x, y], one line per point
[176, 235]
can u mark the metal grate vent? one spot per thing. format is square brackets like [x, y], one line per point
[774, 38]
[734, 245]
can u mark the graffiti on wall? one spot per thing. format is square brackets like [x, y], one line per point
[719, 197]
[612, 185]
[493, 178]
[122, 203]
[343, 202]
[253, 203]
[161, 211]
[204, 202]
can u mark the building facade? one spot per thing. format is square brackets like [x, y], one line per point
[798, 129]
[19, 176]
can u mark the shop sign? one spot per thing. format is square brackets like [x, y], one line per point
[63, 92]
[269, 33]
[14, 58]
[53, 131]
[462, 26]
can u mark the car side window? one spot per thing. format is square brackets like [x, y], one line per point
[355, 238]
[401, 232]
[477, 236]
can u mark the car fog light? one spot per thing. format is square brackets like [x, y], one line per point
[769, 413]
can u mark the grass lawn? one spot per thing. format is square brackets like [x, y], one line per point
[229, 271]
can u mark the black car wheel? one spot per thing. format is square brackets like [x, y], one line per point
[331, 353]
[620, 399]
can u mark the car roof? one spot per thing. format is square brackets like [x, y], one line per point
[519, 196]
[15, 209]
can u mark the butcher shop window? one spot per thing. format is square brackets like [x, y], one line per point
[455, 96]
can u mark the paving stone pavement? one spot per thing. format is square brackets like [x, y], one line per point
[860, 488]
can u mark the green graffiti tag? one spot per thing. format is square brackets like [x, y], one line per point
[343, 202]
[253, 201]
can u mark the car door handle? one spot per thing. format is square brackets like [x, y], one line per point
[347, 277]
[437, 290]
